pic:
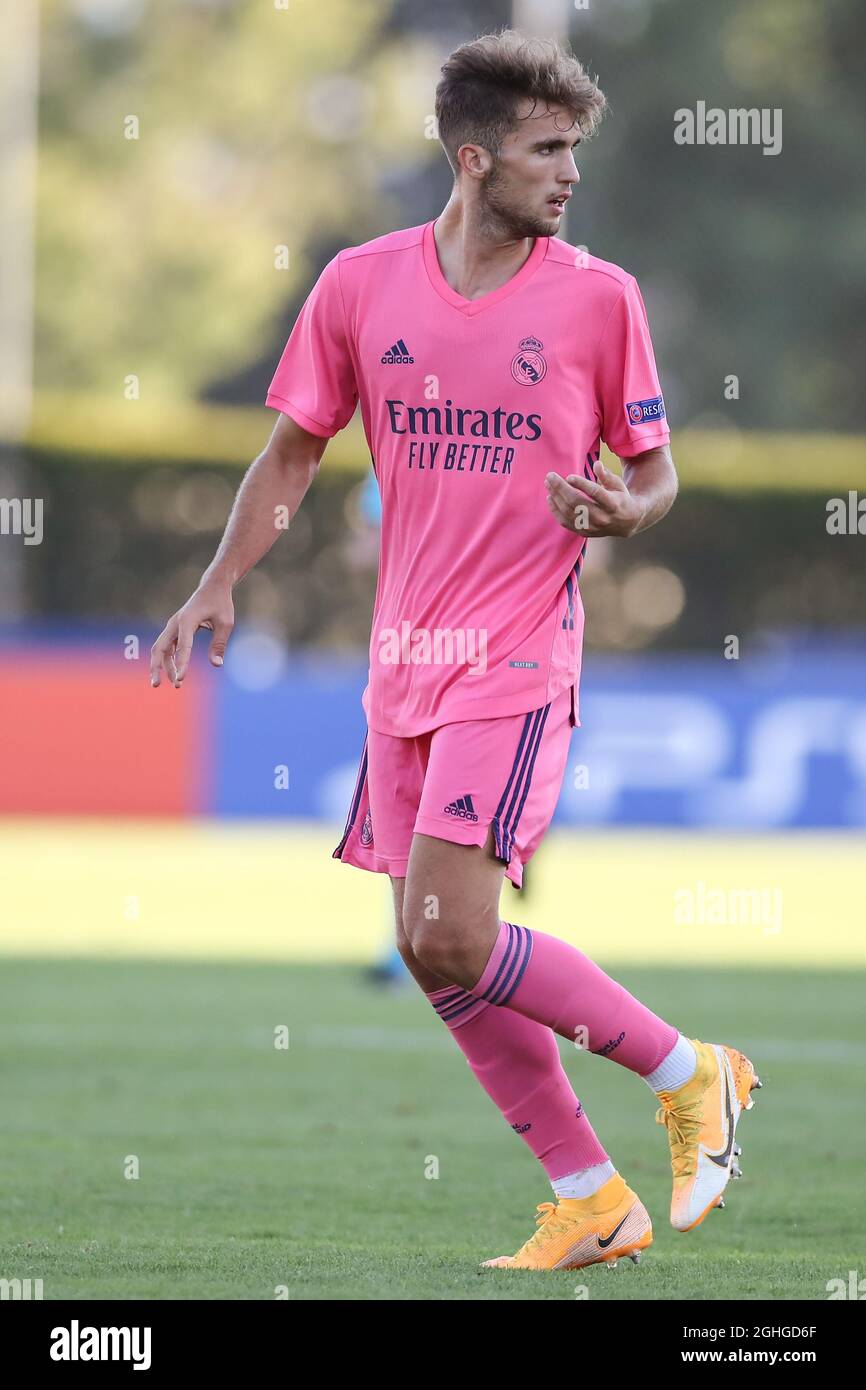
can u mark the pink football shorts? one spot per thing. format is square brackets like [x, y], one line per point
[456, 781]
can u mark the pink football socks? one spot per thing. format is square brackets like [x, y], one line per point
[539, 986]
[517, 1062]
[551, 982]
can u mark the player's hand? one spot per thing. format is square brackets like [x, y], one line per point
[209, 607]
[601, 508]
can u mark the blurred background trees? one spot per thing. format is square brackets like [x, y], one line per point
[169, 268]
[307, 128]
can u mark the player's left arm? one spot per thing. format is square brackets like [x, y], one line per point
[615, 505]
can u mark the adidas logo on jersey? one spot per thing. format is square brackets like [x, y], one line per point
[462, 808]
[398, 355]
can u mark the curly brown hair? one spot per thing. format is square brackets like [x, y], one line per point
[483, 82]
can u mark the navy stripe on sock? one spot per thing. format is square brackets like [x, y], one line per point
[451, 998]
[510, 948]
[469, 1001]
[517, 963]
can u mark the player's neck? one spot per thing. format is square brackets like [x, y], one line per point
[475, 257]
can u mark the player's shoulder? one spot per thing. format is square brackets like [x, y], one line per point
[605, 277]
[382, 247]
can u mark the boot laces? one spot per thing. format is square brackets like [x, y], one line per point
[683, 1124]
[547, 1223]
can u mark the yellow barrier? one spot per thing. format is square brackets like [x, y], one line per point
[271, 891]
[120, 430]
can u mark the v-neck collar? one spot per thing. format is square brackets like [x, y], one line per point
[470, 307]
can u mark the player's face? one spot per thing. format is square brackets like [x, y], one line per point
[525, 191]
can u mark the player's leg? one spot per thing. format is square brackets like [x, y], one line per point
[575, 998]
[597, 1216]
[702, 1088]
[509, 772]
[425, 978]
[517, 1062]
[468, 944]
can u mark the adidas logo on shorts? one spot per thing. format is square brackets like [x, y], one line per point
[462, 808]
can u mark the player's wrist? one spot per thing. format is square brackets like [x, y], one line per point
[636, 516]
[221, 576]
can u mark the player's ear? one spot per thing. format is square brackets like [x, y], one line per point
[474, 161]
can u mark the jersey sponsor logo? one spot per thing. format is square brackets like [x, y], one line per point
[524, 665]
[528, 366]
[462, 808]
[522, 1129]
[460, 422]
[644, 412]
[398, 355]
[367, 830]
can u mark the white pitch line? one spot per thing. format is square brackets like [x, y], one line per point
[377, 1039]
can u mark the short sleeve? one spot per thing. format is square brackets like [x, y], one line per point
[315, 379]
[629, 395]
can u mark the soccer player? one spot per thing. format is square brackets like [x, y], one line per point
[490, 359]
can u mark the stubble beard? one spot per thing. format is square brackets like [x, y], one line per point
[503, 217]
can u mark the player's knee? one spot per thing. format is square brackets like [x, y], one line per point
[442, 951]
[404, 948]
[401, 936]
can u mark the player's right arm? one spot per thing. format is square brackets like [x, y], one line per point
[272, 491]
[315, 392]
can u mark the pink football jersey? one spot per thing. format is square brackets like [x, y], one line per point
[466, 406]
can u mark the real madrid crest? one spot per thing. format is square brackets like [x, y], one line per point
[528, 366]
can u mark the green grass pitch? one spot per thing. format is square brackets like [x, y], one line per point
[304, 1168]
